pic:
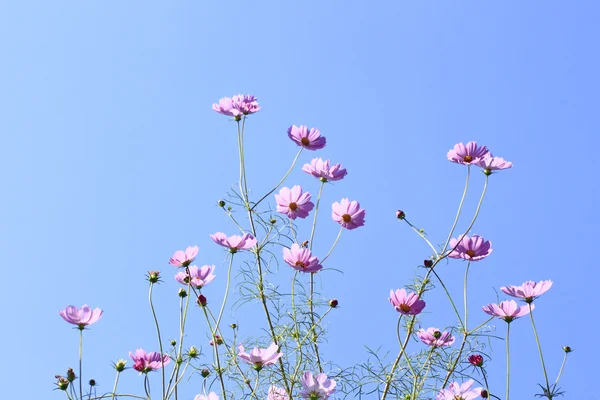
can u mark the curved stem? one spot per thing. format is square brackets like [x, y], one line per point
[147, 385]
[449, 298]
[280, 182]
[460, 206]
[80, 363]
[456, 360]
[418, 232]
[226, 293]
[159, 338]
[333, 246]
[390, 377]
[417, 386]
[255, 385]
[562, 367]
[507, 361]
[539, 346]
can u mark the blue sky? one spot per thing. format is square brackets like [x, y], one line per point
[112, 159]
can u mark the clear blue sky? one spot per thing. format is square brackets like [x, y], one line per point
[112, 159]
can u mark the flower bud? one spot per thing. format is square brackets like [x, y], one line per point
[221, 203]
[71, 375]
[273, 221]
[218, 339]
[567, 349]
[120, 365]
[153, 276]
[333, 303]
[205, 373]
[193, 352]
[62, 383]
[400, 214]
[428, 263]
[173, 343]
[233, 326]
[487, 171]
[201, 300]
[92, 382]
[484, 394]
[476, 360]
[182, 293]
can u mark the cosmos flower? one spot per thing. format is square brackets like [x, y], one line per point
[435, 338]
[472, 248]
[406, 304]
[293, 202]
[234, 242]
[528, 291]
[507, 310]
[301, 259]
[184, 258]
[147, 362]
[348, 214]
[459, 392]
[237, 106]
[260, 357]
[467, 154]
[324, 170]
[81, 317]
[309, 139]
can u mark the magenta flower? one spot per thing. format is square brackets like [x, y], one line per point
[81, 317]
[237, 106]
[435, 338]
[309, 139]
[348, 214]
[474, 248]
[301, 259]
[317, 387]
[528, 291]
[293, 202]
[324, 170]
[210, 396]
[476, 360]
[467, 154]
[507, 310]
[459, 392]
[277, 393]
[260, 357]
[234, 243]
[197, 277]
[491, 163]
[147, 362]
[184, 258]
[406, 304]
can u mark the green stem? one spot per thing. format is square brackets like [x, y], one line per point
[226, 292]
[314, 225]
[159, 338]
[480, 325]
[456, 360]
[147, 385]
[80, 363]
[507, 361]
[312, 320]
[418, 232]
[281, 181]
[417, 386]
[390, 377]
[255, 385]
[465, 296]
[460, 206]
[562, 366]
[216, 353]
[539, 346]
[115, 386]
[449, 298]
[333, 246]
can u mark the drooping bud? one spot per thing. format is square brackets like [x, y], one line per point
[202, 300]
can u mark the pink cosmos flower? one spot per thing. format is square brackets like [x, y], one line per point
[81, 317]
[406, 304]
[317, 387]
[309, 139]
[459, 392]
[210, 396]
[491, 163]
[184, 258]
[348, 214]
[435, 338]
[234, 243]
[277, 393]
[474, 248]
[507, 310]
[467, 154]
[293, 203]
[301, 259]
[324, 170]
[237, 106]
[197, 277]
[260, 357]
[147, 362]
[528, 291]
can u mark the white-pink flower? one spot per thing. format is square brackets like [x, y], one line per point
[184, 258]
[507, 310]
[260, 357]
[234, 242]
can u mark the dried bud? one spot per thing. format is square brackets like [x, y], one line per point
[333, 303]
[428, 263]
[153, 276]
[120, 365]
[71, 375]
[400, 214]
[476, 360]
[201, 300]
[205, 373]
[567, 349]
[182, 293]
[221, 203]
[193, 352]
[92, 382]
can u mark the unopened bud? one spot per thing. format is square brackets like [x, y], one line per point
[71, 375]
[273, 221]
[437, 334]
[173, 343]
[221, 203]
[62, 383]
[428, 263]
[182, 293]
[201, 300]
[218, 339]
[487, 171]
[120, 365]
[333, 303]
[92, 382]
[205, 373]
[484, 394]
[193, 352]
[233, 326]
[153, 276]
[400, 214]
[567, 349]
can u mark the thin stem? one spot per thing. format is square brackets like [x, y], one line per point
[182, 319]
[312, 327]
[226, 292]
[449, 298]
[507, 361]
[456, 360]
[487, 385]
[80, 363]
[480, 325]
[255, 384]
[418, 232]
[539, 346]
[280, 182]
[115, 386]
[460, 206]
[104, 396]
[312, 320]
[216, 353]
[314, 225]
[465, 295]
[147, 385]
[417, 386]
[333, 246]
[159, 338]
[562, 366]
[390, 377]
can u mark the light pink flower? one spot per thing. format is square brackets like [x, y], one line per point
[293, 202]
[260, 357]
[490, 163]
[309, 139]
[348, 214]
[184, 258]
[317, 387]
[459, 392]
[197, 277]
[467, 154]
[277, 393]
[324, 170]
[435, 338]
[472, 248]
[146, 362]
[406, 304]
[301, 259]
[210, 396]
[237, 106]
[507, 310]
[81, 317]
[234, 242]
[528, 291]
